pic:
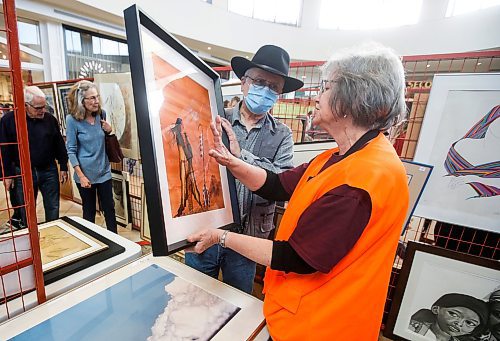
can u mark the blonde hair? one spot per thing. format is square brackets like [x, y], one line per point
[75, 98]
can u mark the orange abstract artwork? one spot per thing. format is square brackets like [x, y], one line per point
[194, 181]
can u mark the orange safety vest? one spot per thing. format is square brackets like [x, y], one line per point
[347, 303]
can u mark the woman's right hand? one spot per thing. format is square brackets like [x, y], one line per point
[85, 182]
[220, 153]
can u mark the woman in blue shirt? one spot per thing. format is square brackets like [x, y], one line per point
[85, 130]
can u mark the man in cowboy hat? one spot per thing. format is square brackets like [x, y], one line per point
[258, 138]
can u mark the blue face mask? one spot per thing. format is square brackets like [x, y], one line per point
[260, 99]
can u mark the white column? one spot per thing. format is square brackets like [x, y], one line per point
[54, 59]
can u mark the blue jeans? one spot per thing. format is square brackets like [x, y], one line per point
[47, 182]
[237, 270]
[105, 193]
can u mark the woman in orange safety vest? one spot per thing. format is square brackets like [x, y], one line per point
[336, 242]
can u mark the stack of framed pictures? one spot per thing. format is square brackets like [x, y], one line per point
[68, 247]
[62, 243]
[176, 97]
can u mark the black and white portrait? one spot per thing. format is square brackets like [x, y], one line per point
[447, 296]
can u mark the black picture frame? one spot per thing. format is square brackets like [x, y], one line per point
[428, 273]
[166, 237]
[418, 175]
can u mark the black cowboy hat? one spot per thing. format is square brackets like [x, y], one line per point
[272, 59]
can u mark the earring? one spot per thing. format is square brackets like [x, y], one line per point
[345, 115]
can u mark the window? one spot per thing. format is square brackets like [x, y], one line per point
[368, 14]
[457, 7]
[88, 53]
[278, 11]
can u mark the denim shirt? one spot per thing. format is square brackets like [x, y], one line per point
[267, 145]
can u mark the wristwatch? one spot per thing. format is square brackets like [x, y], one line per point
[222, 240]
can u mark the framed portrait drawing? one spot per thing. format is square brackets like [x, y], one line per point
[417, 175]
[176, 97]
[460, 137]
[117, 99]
[437, 289]
[145, 230]
[120, 197]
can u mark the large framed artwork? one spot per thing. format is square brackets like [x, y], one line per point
[445, 295]
[117, 99]
[176, 97]
[460, 137]
[61, 243]
[153, 298]
[417, 175]
[119, 184]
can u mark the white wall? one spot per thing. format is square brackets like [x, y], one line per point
[214, 24]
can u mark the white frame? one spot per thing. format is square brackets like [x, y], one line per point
[94, 245]
[435, 204]
[247, 322]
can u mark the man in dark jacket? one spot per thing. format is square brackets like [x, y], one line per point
[46, 144]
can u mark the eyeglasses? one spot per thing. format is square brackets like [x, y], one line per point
[92, 98]
[262, 82]
[323, 85]
[40, 108]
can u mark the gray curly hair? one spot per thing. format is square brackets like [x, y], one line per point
[368, 85]
[75, 99]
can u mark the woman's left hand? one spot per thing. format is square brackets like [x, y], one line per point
[106, 127]
[204, 239]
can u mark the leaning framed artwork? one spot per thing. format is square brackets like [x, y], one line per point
[119, 185]
[117, 100]
[434, 282]
[51, 96]
[417, 175]
[176, 97]
[62, 94]
[460, 137]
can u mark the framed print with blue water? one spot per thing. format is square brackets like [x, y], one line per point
[176, 97]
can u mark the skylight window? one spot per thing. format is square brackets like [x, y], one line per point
[368, 14]
[457, 7]
[278, 11]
